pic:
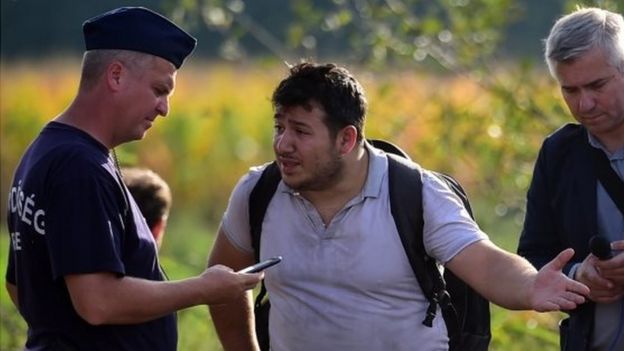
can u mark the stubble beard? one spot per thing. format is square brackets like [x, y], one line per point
[323, 176]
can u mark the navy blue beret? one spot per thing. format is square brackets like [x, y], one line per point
[138, 29]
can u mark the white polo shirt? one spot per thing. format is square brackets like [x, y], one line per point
[349, 286]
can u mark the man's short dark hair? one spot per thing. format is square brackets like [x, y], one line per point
[334, 88]
[150, 192]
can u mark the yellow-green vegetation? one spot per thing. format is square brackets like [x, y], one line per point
[486, 135]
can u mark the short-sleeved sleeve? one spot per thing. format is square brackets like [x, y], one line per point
[84, 226]
[235, 221]
[448, 227]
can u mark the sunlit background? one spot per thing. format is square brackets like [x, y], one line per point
[459, 84]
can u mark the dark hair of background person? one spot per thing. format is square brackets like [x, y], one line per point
[151, 193]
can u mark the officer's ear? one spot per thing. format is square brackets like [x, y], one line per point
[114, 75]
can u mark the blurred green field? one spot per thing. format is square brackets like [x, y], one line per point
[221, 123]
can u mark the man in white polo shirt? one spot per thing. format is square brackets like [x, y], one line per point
[345, 282]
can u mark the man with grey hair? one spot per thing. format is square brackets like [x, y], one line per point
[577, 190]
[83, 268]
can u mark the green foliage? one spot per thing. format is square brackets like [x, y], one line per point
[375, 31]
[460, 37]
[482, 125]
[221, 123]
[612, 5]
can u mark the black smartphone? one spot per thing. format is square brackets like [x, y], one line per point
[261, 265]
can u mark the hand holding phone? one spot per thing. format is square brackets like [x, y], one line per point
[261, 265]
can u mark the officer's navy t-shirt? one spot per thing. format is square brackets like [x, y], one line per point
[68, 215]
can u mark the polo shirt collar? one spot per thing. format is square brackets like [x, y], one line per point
[377, 169]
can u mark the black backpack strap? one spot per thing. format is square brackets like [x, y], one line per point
[405, 187]
[259, 200]
[610, 181]
[388, 148]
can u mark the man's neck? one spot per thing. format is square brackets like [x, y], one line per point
[86, 113]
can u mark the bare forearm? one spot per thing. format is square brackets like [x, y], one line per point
[103, 298]
[143, 300]
[508, 280]
[512, 282]
[502, 278]
[130, 300]
[234, 325]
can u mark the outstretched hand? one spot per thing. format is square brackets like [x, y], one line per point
[552, 290]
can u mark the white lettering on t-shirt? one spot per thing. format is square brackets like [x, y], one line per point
[16, 241]
[27, 210]
[25, 207]
[40, 222]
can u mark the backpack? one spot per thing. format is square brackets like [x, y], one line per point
[465, 312]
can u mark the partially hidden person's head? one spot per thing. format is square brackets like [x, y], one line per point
[585, 53]
[152, 195]
[320, 110]
[133, 54]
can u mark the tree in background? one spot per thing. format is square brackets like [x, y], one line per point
[377, 31]
[450, 37]
[457, 34]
